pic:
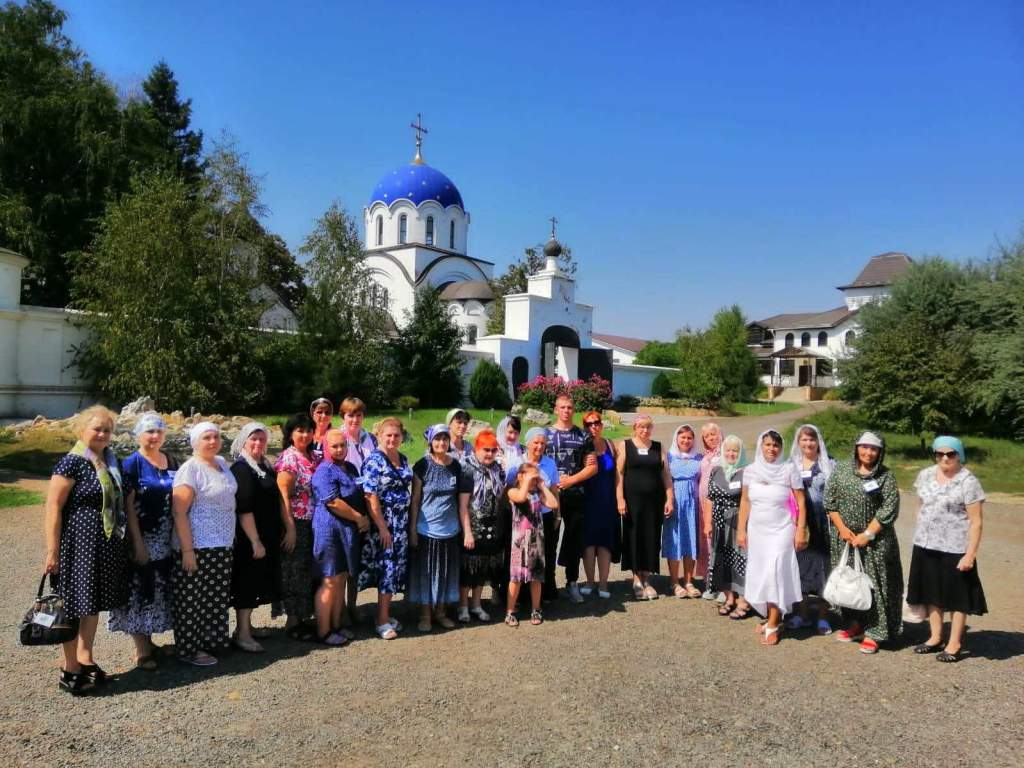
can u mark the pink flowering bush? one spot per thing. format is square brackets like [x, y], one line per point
[594, 394]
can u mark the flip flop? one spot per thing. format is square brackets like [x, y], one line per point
[739, 614]
[725, 609]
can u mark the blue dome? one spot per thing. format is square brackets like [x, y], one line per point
[418, 184]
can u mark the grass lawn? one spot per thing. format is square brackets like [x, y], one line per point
[761, 408]
[35, 453]
[424, 417]
[998, 464]
[12, 496]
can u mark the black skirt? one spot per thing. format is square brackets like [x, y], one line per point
[935, 580]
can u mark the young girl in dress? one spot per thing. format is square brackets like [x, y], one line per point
[530, 494]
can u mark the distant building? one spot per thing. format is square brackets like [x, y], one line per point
[624, 348]
[800, 349]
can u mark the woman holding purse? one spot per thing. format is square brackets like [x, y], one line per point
[863, 503]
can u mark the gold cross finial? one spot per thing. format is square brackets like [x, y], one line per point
[420, 130]
[554, 222]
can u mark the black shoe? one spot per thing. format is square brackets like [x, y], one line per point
[96, 675]
[75, 683]
[924, 648]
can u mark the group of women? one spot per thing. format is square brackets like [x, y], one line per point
[162, 546]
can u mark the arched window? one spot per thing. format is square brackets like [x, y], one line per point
[805, 339]
[380, 230]
[430, 230]
[403, 228]
[790, 338]
[849, 337]
[471, 334]
[451, 234]
[823, 339]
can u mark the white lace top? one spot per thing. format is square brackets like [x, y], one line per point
[212, 513]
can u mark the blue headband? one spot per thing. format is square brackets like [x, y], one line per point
[434, 431]
[947, 441]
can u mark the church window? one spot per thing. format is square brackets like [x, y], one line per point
[805, 339]
[786, 367]
[471, 331]
[451, 235]
[790, 338]
[403, 228]
[380, 230]
[823, 339]
[378, 296]
[430, 230]
[849, 337]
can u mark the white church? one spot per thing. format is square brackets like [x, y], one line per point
[417, 233]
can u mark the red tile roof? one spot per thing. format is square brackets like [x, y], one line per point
[622, 342]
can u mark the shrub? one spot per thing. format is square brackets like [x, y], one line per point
[832, 394]
[407, 402]
[625, 403]
[593, 394]
[488, 387]
[662, 386]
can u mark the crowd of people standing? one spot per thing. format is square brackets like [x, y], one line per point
[163, 546]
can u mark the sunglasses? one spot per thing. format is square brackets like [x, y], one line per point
[589, 424]
[946, 454]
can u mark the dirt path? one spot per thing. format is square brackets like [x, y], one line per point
[617, 683]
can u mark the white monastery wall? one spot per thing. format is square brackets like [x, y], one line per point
[635, 380]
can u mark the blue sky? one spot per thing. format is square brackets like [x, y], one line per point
[696, 154]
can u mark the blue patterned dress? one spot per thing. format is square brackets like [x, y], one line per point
[680, 534]
[382, 568]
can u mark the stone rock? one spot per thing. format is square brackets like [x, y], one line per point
[138, 407]
[611, 417]
[518, 409]
[537, 417]
[39, 419]
[476, 427]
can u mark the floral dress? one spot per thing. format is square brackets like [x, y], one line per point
[297, 565]
[148, 610]
[382, 568]
[527, 556]
[845, 494]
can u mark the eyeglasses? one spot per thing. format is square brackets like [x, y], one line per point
[945, 454]
[592, 424]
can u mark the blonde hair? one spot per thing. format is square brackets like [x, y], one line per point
[642, 419]
[390, 421]
[353, 405]
[100, 412]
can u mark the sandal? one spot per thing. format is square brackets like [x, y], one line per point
[387, 632]
[924, 648]
[480, 613]
[147, 663]
[691, 590]
[333, 640]
[950, 658]
[726, 608]
[638, 591]
[536, 618]
[247, 646]
[511, 620]
[200, 659]
[75, 683]
[739, 614]
[96, 675]
[679, 592]
[348, 634]
[771, 635]
[463, 615]
[650, 592]
[867, 645]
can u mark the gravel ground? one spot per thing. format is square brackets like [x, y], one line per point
[617, 684]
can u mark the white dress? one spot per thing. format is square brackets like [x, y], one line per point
[773, 574]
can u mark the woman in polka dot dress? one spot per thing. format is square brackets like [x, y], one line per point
[85, 542]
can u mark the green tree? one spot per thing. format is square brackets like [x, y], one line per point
[730, 357]
[166, 318]
[344, 330]
[697, 379]
[913, 361]
[427, 353]
[183, 146]
[488, 387]
[663, 353]
[516, 277]
[61, 147]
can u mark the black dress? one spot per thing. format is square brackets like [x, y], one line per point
[256, 582]
[727, 563]
[644, 488]
[93, 573]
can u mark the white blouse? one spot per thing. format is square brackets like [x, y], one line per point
[212, 514]
[942, 523]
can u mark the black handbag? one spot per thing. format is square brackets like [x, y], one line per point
[45, 623]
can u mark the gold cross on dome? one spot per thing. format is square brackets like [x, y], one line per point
[420, 130]
[554, 222]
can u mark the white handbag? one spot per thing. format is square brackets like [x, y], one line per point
[849, 587]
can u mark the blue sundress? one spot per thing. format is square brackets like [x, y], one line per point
[382, 568]
[680, 534]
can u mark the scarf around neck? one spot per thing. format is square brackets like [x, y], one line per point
[114, 520]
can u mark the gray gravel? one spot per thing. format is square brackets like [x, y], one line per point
[615, 684]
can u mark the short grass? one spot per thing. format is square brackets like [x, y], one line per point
[998, 464]
[35, 453]
[417, 423]
[761, 408]
[13, 496]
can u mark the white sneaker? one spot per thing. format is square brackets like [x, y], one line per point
[586, 591]
[463, 614]
[574, 592]
[708, 595]
[480, 614]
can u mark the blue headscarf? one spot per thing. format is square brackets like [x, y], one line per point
[434, 431]
[948, 441]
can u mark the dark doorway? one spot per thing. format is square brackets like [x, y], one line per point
[520, 373]
[597, 361]
[804, 373]
[554, 337]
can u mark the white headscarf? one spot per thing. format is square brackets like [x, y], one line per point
[238, 447]
[199, 430]
[825, 464]
[778, 472]
[673, 449]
